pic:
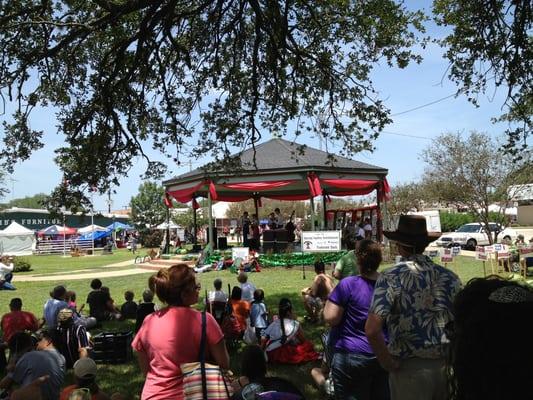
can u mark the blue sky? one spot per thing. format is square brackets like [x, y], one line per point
[396, 148]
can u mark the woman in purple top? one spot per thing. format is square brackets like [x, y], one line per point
[355, 370]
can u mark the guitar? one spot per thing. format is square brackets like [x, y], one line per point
[290, 227]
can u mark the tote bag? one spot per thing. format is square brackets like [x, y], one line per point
[203, 381]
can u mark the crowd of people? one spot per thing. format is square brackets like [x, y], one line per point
[411, 332]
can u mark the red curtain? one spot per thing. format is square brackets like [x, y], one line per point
[186, 195]
[314, 184]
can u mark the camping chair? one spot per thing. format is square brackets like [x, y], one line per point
[217, 309]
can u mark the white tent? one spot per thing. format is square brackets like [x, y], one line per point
[91, 228]
[171, 225]
[16, 240]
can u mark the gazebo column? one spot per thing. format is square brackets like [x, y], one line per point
[312, 201]
[325, 223]
[194, 225]
[211, 240]
[379, 219]
[256, 205]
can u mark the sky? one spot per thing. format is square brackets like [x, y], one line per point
[398, 148]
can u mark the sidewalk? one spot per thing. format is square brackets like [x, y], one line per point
[98, 272]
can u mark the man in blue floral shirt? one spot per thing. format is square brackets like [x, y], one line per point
[414, 300]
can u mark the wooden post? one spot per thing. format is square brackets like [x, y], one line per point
[312, 200]
[325, 224]
[256, 204]
[195, 225]
[211, 240]
[379, 219]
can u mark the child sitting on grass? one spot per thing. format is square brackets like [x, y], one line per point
[129, 308]
[247, 288]
[218, 294]
[145, 308]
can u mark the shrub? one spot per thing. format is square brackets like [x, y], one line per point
[449, 222]
[21, 265]
[152, 240]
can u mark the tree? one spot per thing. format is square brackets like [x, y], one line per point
[147, 207]
[193, 77]
[186, 220]
[3, 189]
[471, 173]
[491, 44]
[36, 201]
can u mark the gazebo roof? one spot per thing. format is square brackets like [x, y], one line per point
[282, 170]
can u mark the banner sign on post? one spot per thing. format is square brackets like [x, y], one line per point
[240, 252]
[526, 252]
[446, 256]
[433, 253]
[321, 241]
[489, 249]
[456, 250]
[502, 251]
[481, 253]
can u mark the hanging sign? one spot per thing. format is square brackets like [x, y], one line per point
[321, 241]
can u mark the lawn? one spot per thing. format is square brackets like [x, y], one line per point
[277, 283]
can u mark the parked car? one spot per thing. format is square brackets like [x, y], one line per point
[471, 235]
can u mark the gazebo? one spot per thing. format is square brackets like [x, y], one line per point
[281, 170]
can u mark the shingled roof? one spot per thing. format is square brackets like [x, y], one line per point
[278, 156]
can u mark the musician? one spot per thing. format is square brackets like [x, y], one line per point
[272, 222]
[280, 221]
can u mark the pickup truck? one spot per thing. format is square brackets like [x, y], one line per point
[471, 235]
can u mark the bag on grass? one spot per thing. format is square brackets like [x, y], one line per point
[249, 336]
[203, 381]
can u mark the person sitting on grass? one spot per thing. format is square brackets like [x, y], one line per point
[218, 294]
[53, 305]
[114, 312]
[99, 302]
[284, 340]
[128, 310]
[34, 364]
[240, 308]
[73, 342]
[254, 379]
[145, 308]
[17, 320]
[315, 296]
[6, 273]
[248, 288]
[85, 376]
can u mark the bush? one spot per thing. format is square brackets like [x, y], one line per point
[449, 222]
[152, 240]
[21, 265]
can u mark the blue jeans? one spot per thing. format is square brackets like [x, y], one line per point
[358, 377]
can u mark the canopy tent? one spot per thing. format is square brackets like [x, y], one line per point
[17, 240]
[279, 170]
[91, 228]
[96, 235]
[119, 226]
[170, 225]
[57, 230]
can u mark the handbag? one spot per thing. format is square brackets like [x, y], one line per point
[249, 336]
[203, 381]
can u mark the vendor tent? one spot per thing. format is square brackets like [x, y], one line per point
[91, 228]
[119, 226]
[96, 235]
[170, 225]
[16, 240]
[57, 230]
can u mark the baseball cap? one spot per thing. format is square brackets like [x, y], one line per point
[64, 315]
[85, 368]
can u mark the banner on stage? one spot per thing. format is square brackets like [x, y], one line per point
[321, 241]
[240, 252]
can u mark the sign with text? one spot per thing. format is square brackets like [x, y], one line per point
[526, 252]
[321, 241]
[502, 251]
[446, 256]
[240, 252]
[456, 250]
[481, 253]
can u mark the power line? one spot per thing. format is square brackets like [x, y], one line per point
[406, 135]
[425, 105]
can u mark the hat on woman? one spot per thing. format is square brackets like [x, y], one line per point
[412, 231]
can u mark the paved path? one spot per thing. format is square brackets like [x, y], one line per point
[98, 272]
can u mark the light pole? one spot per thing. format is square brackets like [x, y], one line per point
[92, 220]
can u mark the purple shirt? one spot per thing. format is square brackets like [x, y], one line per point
[354, 295]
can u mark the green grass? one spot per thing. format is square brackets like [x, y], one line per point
[277, 283]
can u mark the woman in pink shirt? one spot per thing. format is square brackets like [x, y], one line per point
[171, 336]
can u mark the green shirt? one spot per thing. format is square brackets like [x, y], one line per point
[347, 265]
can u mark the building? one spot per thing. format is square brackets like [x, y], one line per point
[36, 219]
[523, 196]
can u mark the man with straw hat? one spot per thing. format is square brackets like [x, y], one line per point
[414, 300]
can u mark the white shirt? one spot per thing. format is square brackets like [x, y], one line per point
[273, 332]
[5, 269]
[361, 232]
[367, 227]
[248, 290]
[217, 295]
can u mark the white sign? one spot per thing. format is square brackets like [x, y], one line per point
[526, 252]
[240, 252]
[446, 256]
[321, 241]
[481, 253]
[456, 250]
